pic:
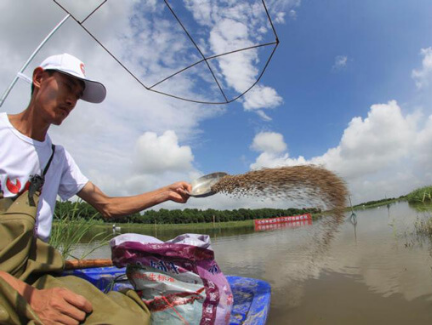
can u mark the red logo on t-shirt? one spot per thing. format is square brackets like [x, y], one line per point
[16, 188]
[13, 188]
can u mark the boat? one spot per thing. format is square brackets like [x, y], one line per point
[251, 296]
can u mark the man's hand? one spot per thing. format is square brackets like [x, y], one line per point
[179, 192]
[53, 306]
[59, 306]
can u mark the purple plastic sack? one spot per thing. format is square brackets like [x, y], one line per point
[178, 280]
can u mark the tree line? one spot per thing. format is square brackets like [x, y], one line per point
[83, 210]
[368, 203]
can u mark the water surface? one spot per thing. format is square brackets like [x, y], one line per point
[374, 271]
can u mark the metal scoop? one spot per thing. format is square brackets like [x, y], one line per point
[201, 187]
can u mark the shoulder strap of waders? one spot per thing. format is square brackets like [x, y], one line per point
[49, 161]
[37, 181]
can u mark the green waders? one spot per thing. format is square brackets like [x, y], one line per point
[30, 259]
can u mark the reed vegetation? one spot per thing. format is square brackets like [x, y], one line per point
[424, 227]
[422, 195]
[69, 229]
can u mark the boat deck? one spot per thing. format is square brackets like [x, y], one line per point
[251, 296]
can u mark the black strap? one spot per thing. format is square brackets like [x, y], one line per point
[37, 181]
[49, 161]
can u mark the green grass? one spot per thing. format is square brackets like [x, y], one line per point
[143, 227]
[374, 205]
[68, 231]
[197, 226]
[422, 195]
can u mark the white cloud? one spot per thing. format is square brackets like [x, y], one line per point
[269, 142]
[240, 25]
[276, 6]
[387, 153]
[262, 97]
[272, 160]
[423, 145]
[384, 131]
[155, 155]
[423, 77]
[340, 63]
[263, 115]
[280, 17]
[201, 10]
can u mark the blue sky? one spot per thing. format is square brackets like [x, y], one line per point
[381, 41]
[349, 87]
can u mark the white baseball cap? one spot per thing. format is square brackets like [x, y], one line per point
[94, 91]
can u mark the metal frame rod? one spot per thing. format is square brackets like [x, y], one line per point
[2, 100]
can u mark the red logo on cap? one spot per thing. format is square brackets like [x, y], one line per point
[82, 68]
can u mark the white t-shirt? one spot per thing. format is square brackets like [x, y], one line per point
[21, 157]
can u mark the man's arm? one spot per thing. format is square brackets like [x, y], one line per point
[121, 206]
[53, 306]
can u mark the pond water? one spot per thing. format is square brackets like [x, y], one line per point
[375, 271]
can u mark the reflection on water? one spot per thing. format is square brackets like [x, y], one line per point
[165, 234]
[371, 271]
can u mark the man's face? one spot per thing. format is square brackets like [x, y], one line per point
[57, 95]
